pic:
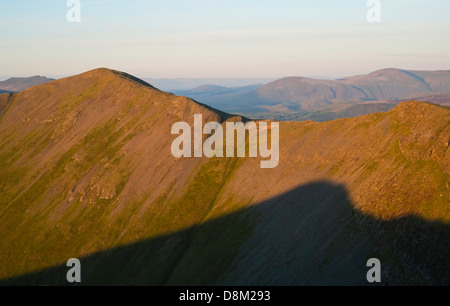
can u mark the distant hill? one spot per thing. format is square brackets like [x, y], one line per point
[86, 171]
[5, 91]
[19, 84]
[215, 94]
[178, 84]
[305, 95]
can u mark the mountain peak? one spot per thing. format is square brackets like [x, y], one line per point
[417, 106]
[99, 94]
[109, 73]
[417, 109]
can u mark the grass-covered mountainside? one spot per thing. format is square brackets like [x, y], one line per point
[86, 171]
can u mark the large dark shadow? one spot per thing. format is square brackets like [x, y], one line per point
[311, 235]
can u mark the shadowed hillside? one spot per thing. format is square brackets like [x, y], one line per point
[86, 171]
[311, 235]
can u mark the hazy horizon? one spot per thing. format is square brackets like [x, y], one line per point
[4, 77]
[323, 77]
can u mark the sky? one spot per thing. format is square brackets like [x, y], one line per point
[223, 38]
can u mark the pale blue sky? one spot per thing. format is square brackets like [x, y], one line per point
[222, 38]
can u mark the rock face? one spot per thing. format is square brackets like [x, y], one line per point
[86, 171]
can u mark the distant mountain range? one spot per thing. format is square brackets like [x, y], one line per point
[208, 93]
[387, 84]
[167, 84]
[304, 98]
[19, 84]
[300, 98]
[86, 171]
[178, 84]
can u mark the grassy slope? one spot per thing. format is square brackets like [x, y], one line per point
[88, 168]
[90, 162]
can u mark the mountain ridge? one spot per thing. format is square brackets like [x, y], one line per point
[86, 168]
